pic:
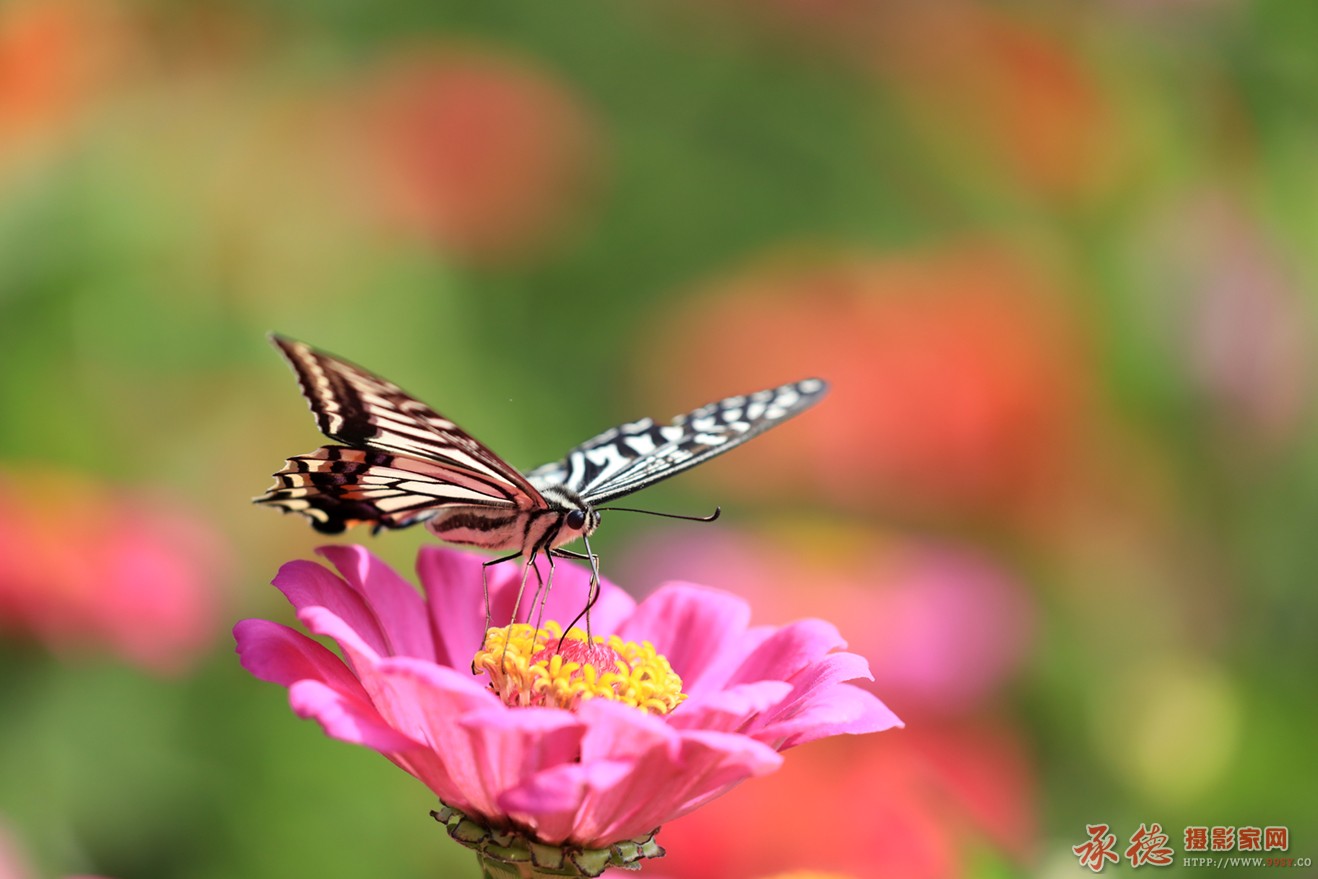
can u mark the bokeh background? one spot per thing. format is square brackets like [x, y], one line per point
[1056, 259]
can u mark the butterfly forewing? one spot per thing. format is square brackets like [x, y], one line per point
[402, 462]
[630, 457]
[361, 409]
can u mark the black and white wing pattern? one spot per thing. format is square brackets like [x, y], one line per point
[400, 463]
[630, 457]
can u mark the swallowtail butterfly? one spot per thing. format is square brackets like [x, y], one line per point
[399, 462]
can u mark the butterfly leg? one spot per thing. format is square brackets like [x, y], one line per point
[485, 585]
[594, 594]
[517, 603]
[542, 597]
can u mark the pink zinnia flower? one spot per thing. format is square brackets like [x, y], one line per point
[588, 776]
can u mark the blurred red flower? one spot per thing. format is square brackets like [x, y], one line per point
[485, 155]
[84, 568]
[917, 808]
[957, 378]
[979, 81]
[55, 56]
[943, 628]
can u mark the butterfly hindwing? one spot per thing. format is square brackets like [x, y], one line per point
[632, 456]
[338, 486]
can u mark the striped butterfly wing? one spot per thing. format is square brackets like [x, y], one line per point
[632, 456]
[400, 463]
[338, 487]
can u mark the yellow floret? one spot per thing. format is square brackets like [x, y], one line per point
[530, 667]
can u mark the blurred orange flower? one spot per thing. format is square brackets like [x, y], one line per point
[55, 56]
[982, 79]
[917, 808]
[977, 79]
[484, 154]
[84, 568]
[957, 378]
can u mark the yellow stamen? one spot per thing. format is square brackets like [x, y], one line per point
[529, 667]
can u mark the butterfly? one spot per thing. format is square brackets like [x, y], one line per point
[398, 462]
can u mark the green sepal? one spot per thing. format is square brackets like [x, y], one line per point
[506, 853]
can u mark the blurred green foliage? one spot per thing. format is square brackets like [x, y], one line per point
[177, 180]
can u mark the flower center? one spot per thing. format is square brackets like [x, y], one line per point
[543, 667]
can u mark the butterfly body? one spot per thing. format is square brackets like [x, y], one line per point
[566, 518]
[399, 462]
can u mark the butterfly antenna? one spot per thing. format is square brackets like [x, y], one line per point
[710, 518]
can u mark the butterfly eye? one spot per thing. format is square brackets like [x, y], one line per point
[576, 520]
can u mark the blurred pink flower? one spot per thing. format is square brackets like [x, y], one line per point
[958, 378]
[1236, 318]
[483, 154]
[942, 626]
[13, 860]
[85, 568]
[924, 806]
[13, 863]
[592, 776]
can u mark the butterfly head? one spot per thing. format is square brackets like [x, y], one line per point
[578, 518]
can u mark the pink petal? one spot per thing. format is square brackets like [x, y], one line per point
[789, 649]
[669, 769]
[345, 719]
[566, 598]
[328, 690]
[395, 604]
[822, 705]
[843, 709]
[549, 801]
[696, 628]
[307, 585]
[452, 583]
[729, 710]
[361, 656]
[282, 655]
[428, 703]
[708, 764]
[511, 744]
